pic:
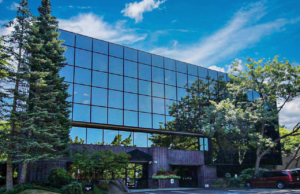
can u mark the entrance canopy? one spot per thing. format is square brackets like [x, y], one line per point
[139, 156]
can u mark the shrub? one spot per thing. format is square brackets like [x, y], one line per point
[165, 176]
[72, 188]
[59, 177]
[227, 175]
[248, 173]
[219, 183]
[103, 185]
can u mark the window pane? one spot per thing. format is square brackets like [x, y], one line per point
[169, 64]
[170, 78]
[70, 92]
[158, 90]
[181, 67]
[144, 87]
[99, 79]
[115, 82]
[100, 46]
[130, 68]
[67, 73]
[157, 61]
[130, 101]
[68, 37]
[115, 117]
[222, 76]
[126, 138]
[157, 75]
[115, 50]
[116, 65]
[145, 103]
[181, 80]
[69, 55]
[115, 99]
[202, 72]
[130, 118]
[78, 133]
[99, 115]
[145, 72]
[144, 58]
[83, 42]
[205, 144]
[192, 79]
[140, 139]
[82, 94]
[201, 144]
[169, 103]
[171, 92]
[213, 74]
[170, 119]
[158, 121]
[145, 120]
[81, 113]
[82, 76]
[100, 62]
[99, 96]
[109, 137]
[130, 84]
[83, 58]
[130, 54]
[94, 136]
[158, 105]
[181, 93]
[192, 69]
[151, 141]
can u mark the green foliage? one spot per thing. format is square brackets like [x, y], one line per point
[72, 188]
[248, 173]
[171, 176]
[219, 183]
[59, 177]
[103, 185]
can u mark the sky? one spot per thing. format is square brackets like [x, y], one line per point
[211, 33]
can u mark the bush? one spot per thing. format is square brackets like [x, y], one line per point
[219, 183]
[103, 185]
[59, 177]
[72, 188]
[248, 174]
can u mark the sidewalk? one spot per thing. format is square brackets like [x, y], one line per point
[157, 190]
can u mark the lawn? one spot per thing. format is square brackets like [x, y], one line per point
[35, 191]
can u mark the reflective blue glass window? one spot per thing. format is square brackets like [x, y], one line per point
[145, 103]
[145, 72]
[169, 103]
[81, 113]
[158, 90]
[192, 70]
[83, 58]
[130, 54]
[115, 50]
[144, 58]
[115, 117]
[205, 144]
[70, 92]
[170, 78]
[158, 105]
[99, 115]
[94, 136]
[109, 136]
[212, 74]
[222, 76]
[126, 138]
[115, 82]
[82, 76]
[202, 72]
[115, 99]
[99, 96]
[213, 87]
[130, 118]
[68, 37]
[140, 139]
[130, 68]
[82, 94]
[144, 87]
[130, 84]
[100, 62]
[201, 144]
[170, 119]
[100, 46]
[150, 141]
[181, 93]
[78, 133]
[157, 61]
[83, 42]
[169, 64]
[69, 55]
[116, 65]
[67, 73]
[158, 121]
[145, 120]
[130, 101]
[181, 80]
[181, 67]
[192, 79]
[100, 79]
[170, 92]
[228, 78]
[157, 75]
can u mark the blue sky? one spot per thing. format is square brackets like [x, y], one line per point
[206, 33]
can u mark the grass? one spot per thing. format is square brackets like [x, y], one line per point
[36, 191]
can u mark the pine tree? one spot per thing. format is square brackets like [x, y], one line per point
[46, 132]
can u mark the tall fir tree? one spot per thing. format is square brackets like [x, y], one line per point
[46, 133]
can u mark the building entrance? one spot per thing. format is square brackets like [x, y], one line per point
[136, 176]
[188, 174]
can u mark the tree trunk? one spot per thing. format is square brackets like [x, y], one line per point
[9, 174]
[295, 155]
[257, 165]
[23, 175]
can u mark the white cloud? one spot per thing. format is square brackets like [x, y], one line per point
[241, 32]
[290, 114]
[94, 26]
[4, 30]
[13, 6]
[220, 69]
[229, 68]
[135, 10]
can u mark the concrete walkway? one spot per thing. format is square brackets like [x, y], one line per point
[159, 190]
